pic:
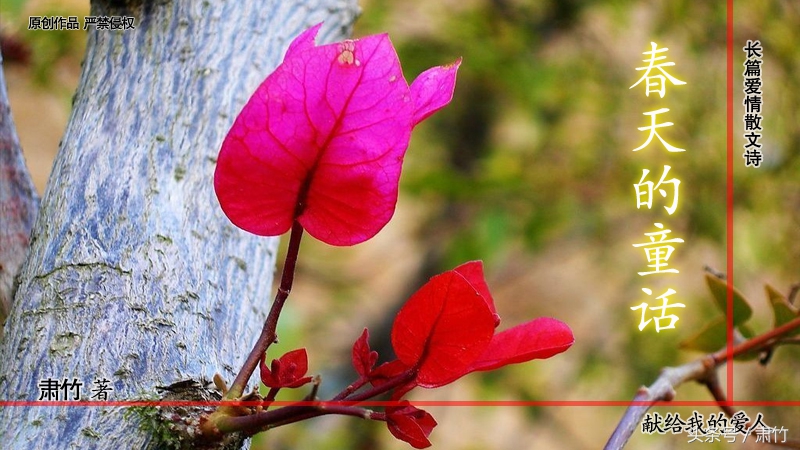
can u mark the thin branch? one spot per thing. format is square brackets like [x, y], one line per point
[663, 389]
[229, 420]
[758, 343]
[715, 388]
[375, 391]
[326, 409]
[788, 341]
[356, 385]
[268, 333]
[273, 392]
[315, 382]
[254, 423]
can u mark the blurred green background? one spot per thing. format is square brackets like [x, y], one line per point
[530, 169]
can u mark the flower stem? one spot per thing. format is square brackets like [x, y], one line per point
[221, 423]
[375, 391]
[254, 423]
[356, 385]
[268, 332]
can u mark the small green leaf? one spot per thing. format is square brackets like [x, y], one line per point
[710, 339]
[746, 333]
[713, 337]
[719, 289]
[782, 310]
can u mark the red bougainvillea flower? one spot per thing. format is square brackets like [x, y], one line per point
[538, 339]
[446, 330]
[410, 424]
[288, 371]
[387, 372]
[442, 329]
[322, 140]
[364, 358]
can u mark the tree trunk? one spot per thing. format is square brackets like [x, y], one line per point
[134, 274]
[18, 205]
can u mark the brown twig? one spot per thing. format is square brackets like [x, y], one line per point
[702, 370]
[715, 388]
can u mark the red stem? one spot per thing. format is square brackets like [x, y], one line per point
[254, 423]
[268, 332]
[356, 385]
[351, 410]
[398, 381]
[758, 342]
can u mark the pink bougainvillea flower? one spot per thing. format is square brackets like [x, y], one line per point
[288, 371]
[446, 330]
[410, 424]
[322, 140]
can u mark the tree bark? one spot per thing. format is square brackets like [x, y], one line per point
[134, 273]
[18, 205]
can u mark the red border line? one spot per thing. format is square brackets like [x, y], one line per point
[729, 205]
[626, 403]
[502, 403]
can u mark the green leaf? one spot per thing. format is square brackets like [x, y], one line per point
[746, 333]
[713, 337]
[782, 310]
[710, 339]
[719, 289]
